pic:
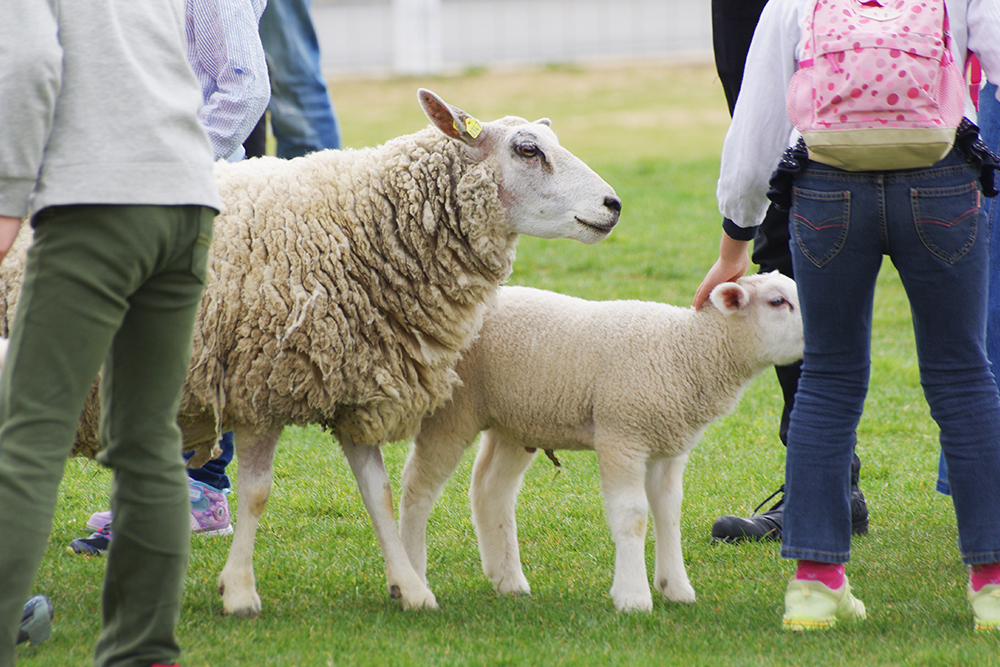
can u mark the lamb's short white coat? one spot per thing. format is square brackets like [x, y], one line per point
[637, 382]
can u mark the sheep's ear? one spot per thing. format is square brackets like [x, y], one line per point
[451, 120]
[729, 298]
[544, 121]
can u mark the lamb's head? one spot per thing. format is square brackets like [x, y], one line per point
[546, 191]
[769, 304]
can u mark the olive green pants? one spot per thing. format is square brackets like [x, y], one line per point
[112, 289]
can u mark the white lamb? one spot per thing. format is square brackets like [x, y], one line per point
[637, 382]
[342, 289]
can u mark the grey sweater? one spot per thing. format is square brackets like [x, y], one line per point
[99, 106]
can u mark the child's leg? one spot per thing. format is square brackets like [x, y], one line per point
[140, 393]
[56, 348]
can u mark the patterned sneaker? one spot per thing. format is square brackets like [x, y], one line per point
[209, 510]
[95, 545]
[99, 520]
[216, 522]
[812, 605]
[36, 621]
[986, 607]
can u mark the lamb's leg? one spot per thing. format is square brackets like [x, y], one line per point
[436, 452]
[664, 488]
[255, 453]
[403, 581]
[627, 509]
[496, 478]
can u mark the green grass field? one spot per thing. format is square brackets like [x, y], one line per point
[653, 132]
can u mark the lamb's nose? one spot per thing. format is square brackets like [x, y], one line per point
[614, 203]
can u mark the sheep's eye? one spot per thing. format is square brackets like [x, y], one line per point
[527, 150]
[777, 302]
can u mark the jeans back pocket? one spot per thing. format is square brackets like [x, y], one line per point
[946, 219]
[821, 221]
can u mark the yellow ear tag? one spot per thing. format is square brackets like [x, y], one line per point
[473, 127]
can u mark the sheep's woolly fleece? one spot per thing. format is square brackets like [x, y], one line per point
[342, 288]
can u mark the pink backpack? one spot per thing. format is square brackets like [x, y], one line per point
[877, 88]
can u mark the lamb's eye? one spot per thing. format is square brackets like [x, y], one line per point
[777, 301]
[527, 150]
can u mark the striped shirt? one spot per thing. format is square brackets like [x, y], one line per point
[224, 50]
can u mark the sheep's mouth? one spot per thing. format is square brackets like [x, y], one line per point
[602, 227]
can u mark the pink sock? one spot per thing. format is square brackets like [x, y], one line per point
[988, 573]
[829, 574]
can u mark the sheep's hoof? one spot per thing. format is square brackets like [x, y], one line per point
[232, 606]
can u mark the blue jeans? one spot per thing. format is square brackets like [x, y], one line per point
[989, 131]
[929, 222]
[213, 473]
[302, 116]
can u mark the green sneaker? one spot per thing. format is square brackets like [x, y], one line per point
[812, 605]
[986, 607]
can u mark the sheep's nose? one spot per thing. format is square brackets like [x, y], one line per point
[614, 203]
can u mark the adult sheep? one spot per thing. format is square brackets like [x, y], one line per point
[344, 285]
[637, 382]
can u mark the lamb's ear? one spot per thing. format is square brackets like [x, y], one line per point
[451, 120]
[729, 298]
[544, 121]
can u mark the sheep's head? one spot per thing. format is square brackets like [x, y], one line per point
[769, 303]
[546, 190]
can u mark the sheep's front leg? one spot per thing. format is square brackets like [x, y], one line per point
[627, 509]
[664, 488]
[255, 453]
[436, 452]
[496, 478]
[403, 581]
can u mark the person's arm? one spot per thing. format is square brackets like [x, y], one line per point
[756, 138]
[30, 80]
[733, 262]
[227, 50]
[761, 130]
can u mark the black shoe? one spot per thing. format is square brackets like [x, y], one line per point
[95, 545]
[859, 512]
[859, 507]
[767, 526]
[757, 528]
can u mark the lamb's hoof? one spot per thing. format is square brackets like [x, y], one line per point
[512, 585]
[630, 603]
[678, 592]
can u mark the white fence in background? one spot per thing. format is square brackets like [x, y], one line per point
[427, 36]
